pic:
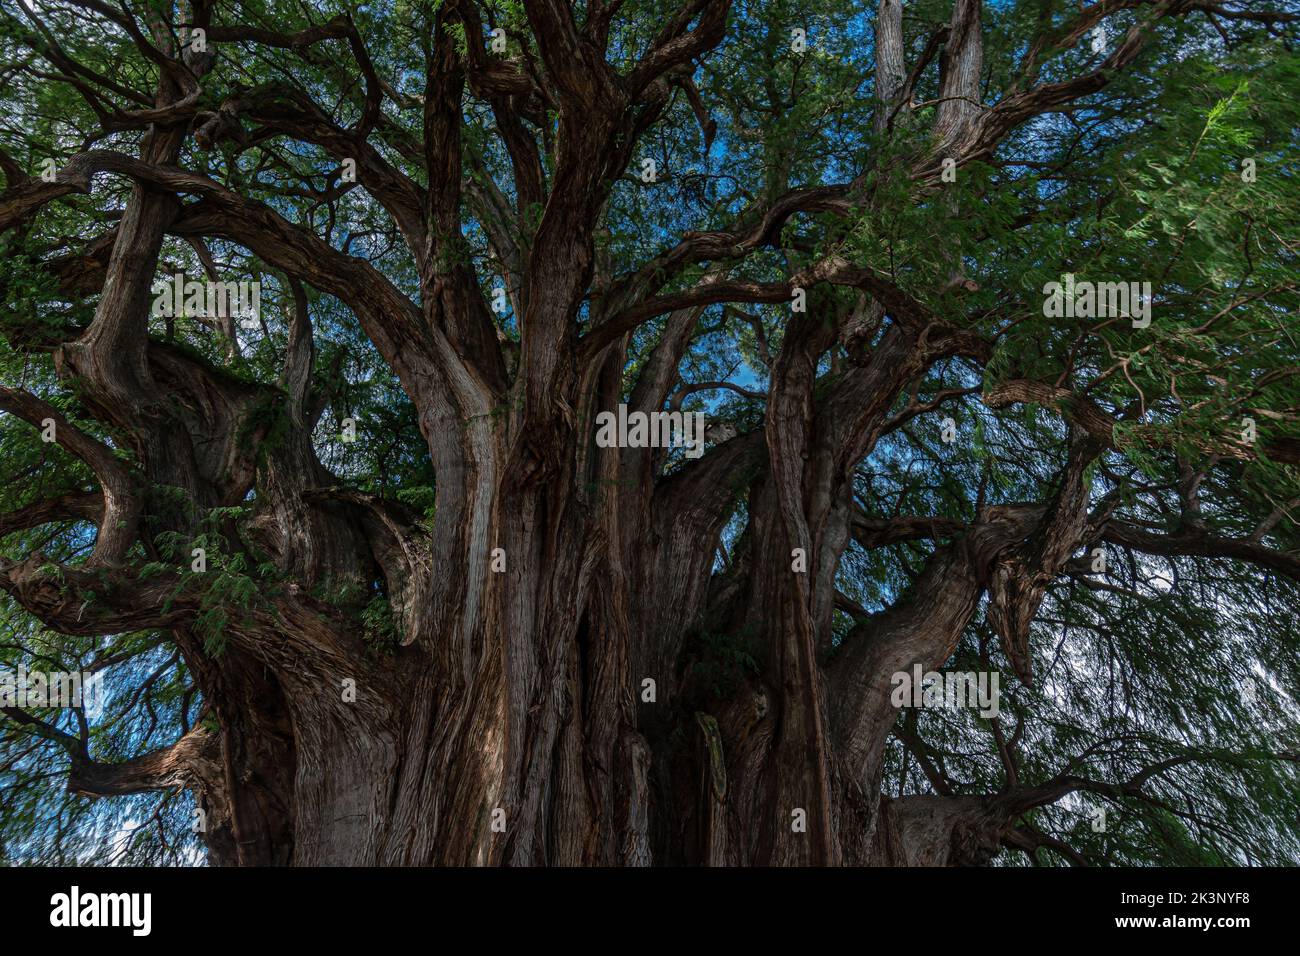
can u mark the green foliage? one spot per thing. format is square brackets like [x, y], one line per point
[228, 586]
[725, 660]
[379, 627]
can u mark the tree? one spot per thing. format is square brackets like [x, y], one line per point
[987, 309]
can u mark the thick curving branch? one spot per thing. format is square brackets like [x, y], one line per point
[120, 515]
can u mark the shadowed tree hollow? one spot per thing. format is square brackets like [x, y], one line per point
[314, 316]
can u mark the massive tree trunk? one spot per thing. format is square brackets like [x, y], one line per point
[514, 723]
